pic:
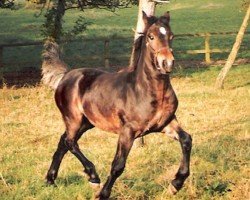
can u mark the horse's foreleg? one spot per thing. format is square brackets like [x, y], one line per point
[125, 143]
[174, 130]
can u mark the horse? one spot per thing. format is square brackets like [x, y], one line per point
[131, 103]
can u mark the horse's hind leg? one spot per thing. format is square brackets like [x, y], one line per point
[174, 130]
[56, 160]
[71, 142]
[68, 141]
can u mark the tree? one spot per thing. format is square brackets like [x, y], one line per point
[148, 7]
[6, 3]
[53, 26]
[231, 58]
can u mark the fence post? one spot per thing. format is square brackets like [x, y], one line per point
[207, 48]
[1, 56]
[106, 53]
[1, 65]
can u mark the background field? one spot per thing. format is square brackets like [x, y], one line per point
[187, 16]
[217, 120]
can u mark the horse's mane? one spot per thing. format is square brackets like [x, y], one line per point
[137, 47]
[136, 53]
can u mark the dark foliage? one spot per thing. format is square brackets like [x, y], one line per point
[6, 3]
[53, 26]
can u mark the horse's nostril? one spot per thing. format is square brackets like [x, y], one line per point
[169, 63]
[164, 63]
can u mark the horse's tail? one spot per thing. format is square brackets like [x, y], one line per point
[53, 68]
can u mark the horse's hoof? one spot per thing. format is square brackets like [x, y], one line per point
[97, 196]
[171, 189]
[49, 182]
[100, 196]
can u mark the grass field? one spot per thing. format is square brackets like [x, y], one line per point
[187, 16]
[219, 122]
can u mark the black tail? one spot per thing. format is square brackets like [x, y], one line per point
[53, 69]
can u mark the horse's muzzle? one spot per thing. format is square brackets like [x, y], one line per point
[165, 60]
[168, 65]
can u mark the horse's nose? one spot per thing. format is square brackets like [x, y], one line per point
[168, 64]
[165, 59]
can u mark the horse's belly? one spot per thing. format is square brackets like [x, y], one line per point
[104, 119]
[114, 118]
[111, 125]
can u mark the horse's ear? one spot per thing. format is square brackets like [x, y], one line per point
[145, 18]
[167, 15]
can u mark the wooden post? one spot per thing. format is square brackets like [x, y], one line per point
[1, 57]
[148, 6]
[207, 49]
[232, 56]
[1, 65]
[106, 53]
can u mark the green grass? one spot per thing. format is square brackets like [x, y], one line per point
[187, 16]
[219, 122]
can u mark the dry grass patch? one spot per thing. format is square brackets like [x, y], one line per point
[30, 127]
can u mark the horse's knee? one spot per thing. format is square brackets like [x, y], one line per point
[186, 141]
[118, 169]
[71, 145]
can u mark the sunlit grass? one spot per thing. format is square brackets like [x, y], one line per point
[219, 122]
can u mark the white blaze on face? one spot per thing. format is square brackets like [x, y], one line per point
[163, 30]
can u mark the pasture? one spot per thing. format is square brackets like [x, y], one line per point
[186, 17]
[217, 120]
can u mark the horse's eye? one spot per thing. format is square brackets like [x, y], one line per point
[150, 37]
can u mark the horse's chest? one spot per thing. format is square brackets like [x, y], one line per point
[162, 113]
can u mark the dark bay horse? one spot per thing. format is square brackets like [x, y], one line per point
[131, 103]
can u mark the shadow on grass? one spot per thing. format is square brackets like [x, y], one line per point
[222, 154]
[31, 76]
[28, 77]
[240, 86]
[181, 71]
[223, 150]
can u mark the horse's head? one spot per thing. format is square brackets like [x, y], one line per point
[158, 41]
